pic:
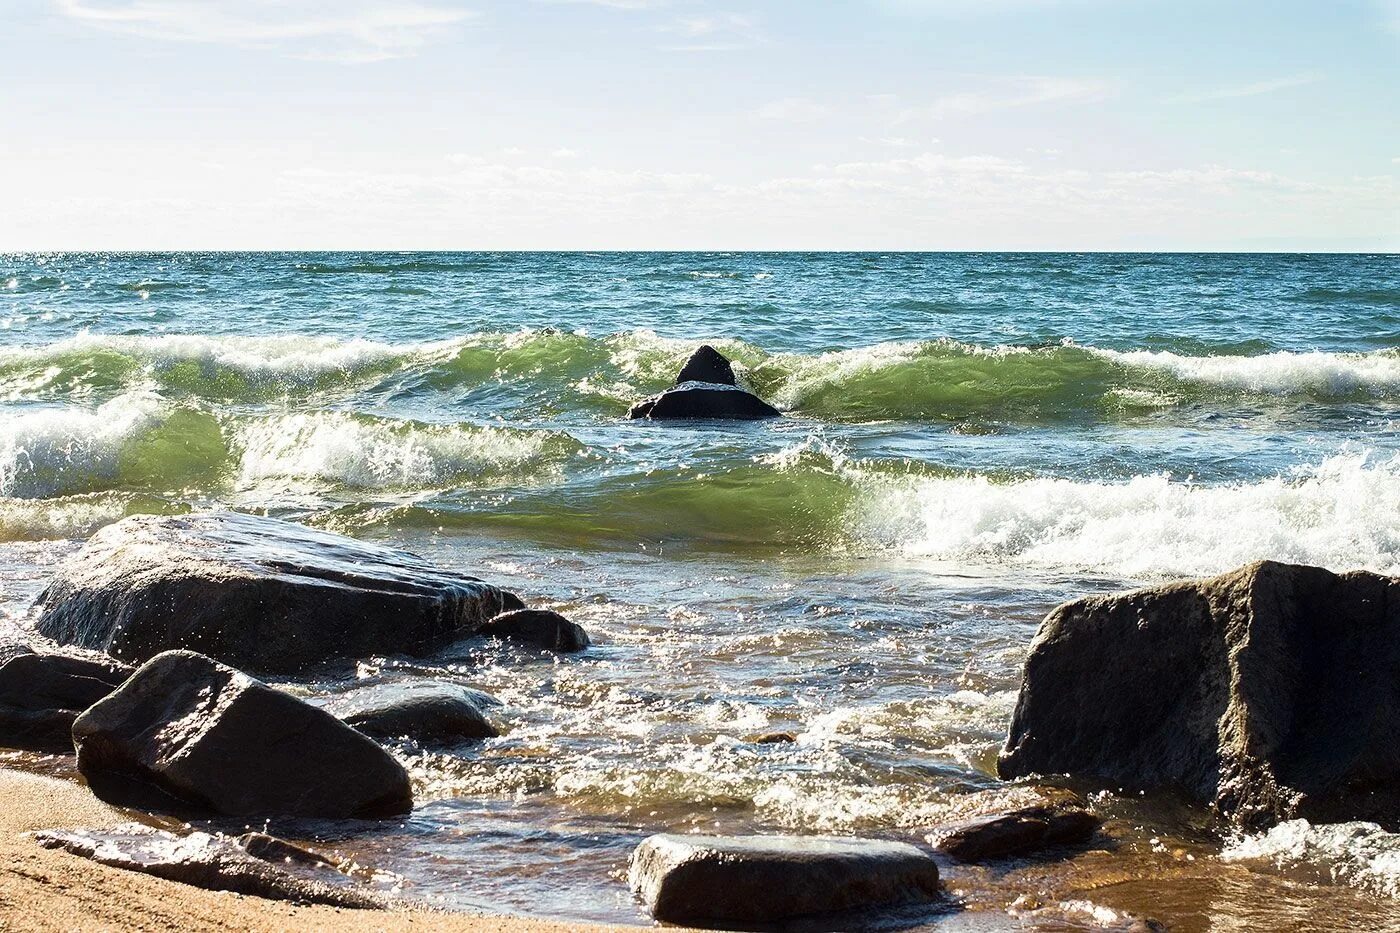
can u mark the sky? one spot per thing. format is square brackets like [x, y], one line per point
[692, 124]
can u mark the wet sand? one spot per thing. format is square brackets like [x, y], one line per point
[42, 889]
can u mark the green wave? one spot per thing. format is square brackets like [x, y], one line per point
[546, 372]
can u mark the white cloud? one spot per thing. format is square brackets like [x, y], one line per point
[713, 32]
[564, 152]
[792, 110]
[1008, 93]
[348, 31]
[1253, 88]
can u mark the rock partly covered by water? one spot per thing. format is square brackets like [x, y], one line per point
[260, 594]
[1271, 692]
[705, 388]
[256, 864]
[216, 740]
[540, 628]
[425, 712]
[41, 695]
[738, 880]
[1017, 832]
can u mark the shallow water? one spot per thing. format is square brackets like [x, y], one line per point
[972, 439]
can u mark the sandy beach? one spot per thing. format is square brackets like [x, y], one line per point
[42, 889]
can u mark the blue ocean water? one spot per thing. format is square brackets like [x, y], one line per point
[968, 439]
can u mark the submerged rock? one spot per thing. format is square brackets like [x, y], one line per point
[1018, 832]
[41, 695]
[763, 879]
[706, 388]
[260, 594]
[425, 712]
[214, 739]
[216, 862]
[1269, 693]
[538, 627]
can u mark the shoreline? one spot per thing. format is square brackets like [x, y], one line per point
[44, 889]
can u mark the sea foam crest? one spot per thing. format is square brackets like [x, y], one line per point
[358, 452]
[46, 451]
[1358, 854]
[1338, 514]
[1281, 373]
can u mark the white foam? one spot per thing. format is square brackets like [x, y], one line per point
[1338, 514]
[362, 453]
[1358, 854]
[1281, 373]
[47, 451]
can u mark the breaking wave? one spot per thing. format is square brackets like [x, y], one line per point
[937, 380]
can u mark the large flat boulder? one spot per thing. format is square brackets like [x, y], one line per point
[41, 695]
[1271, 692]
[742, 880]
[257, 593]
[215, 740]
[255, 864]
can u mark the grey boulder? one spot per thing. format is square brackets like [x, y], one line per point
[41, 695]
[261, 594]
[1269, 693]
[424, 712]
[746, 880]
[215, 740]
[540, 628]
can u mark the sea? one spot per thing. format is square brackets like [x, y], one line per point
[968, 439]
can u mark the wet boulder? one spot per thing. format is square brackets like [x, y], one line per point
[255, 864]
[1014, 833]
[41, 695]
[212, 739]
[706, 388]
[742, 880]
[257, 593]
[1269, 693]
[539, 628]
[425, 712]
[707, 365]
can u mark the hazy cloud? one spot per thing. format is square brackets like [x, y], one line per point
[332, 30]
[1253, 88]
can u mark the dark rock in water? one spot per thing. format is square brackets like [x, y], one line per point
[707, 365]
[426, 712]
[260, 594]
[41, 695]
[705, 388]
[216, 740]
[772, 738]
[701, 400]
[1019, 832]
[1270, 693]
[215, 862]
[13, 649]
[729, 880]
[539, 627]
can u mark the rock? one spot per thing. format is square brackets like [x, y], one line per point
[539, 627]
[257, 593]
[772, 738]
[1271, 692]
[41, 695]
[214, 739]
[215, 862]
[701, 400]
[1019, 832]
[426, 712]
[707, 365]
[705, 388]
[13, 649]
[708, 880]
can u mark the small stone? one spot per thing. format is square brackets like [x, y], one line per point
[541, 628]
